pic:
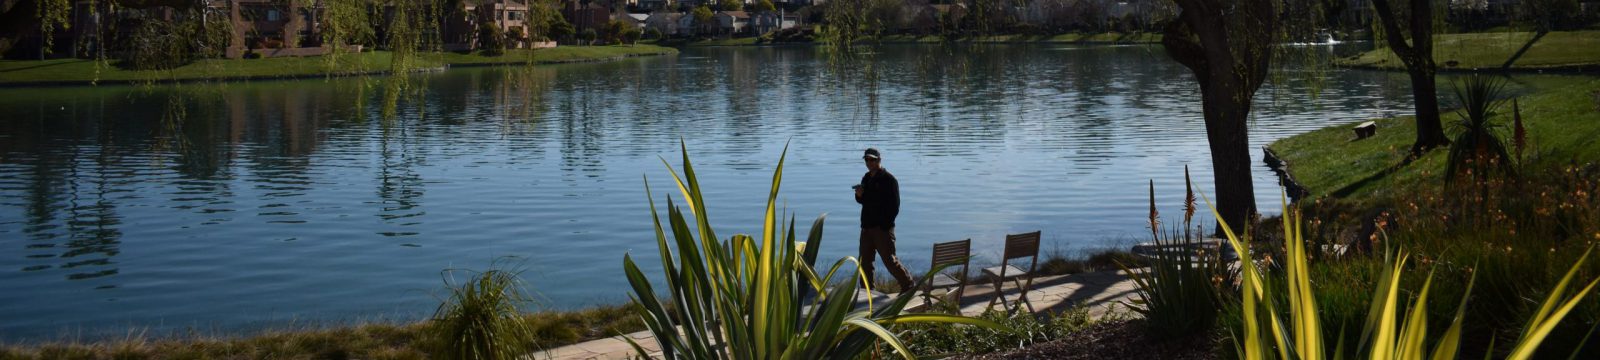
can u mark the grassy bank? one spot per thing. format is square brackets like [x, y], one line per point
[367, 341]
[1561, 120]
[79, 71]
[1557, 50]
[1501, 239]
[1072, 38]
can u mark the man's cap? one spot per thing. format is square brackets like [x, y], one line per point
[872, 153]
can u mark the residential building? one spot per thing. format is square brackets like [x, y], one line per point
[731, 22]
[768, 21]
[585, 15]
[664, 22]
[510, 15]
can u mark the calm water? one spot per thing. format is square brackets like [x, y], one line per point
[234, 207]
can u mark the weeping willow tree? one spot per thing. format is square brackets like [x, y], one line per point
[52, 15]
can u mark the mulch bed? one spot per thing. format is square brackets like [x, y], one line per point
[1115, 340]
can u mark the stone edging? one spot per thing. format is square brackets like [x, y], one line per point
[1281, 167]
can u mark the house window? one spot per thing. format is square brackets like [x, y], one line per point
[274, 15]
[516, 15]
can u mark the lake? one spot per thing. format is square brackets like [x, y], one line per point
[228, 208]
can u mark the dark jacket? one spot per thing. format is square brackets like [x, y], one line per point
[880, 200]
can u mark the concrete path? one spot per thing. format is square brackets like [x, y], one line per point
[1101, 292]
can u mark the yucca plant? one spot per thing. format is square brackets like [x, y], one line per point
[745, 298]
[481, 317]
[1478, 146]
[1386, 334]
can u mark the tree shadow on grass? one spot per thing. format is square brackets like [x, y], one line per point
[1347, 190]
[40, 66]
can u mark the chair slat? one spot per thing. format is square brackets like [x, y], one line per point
[1022, 245]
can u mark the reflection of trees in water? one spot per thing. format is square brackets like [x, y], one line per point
[521, 96]
[400, 187]
[70, 212]
[742, 82]
[582, 130]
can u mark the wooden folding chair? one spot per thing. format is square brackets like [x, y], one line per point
[1018, 246]
[952, 253]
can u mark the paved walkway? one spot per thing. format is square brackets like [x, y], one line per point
[1101, 292]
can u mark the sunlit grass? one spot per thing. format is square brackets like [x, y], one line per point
[1561, 119]
[1490, 50]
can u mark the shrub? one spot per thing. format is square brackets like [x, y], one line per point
[491, 40]
[747, 298]
[480, 319]
[588, 36]
[941, 339]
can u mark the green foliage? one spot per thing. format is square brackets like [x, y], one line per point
[588, 36]
[703, 16]
[730, 5]
[1282, 320]
[851, 21]
[544, 21]
[617, 32]
[745, 297]
[560, 29]
[942, 339]
[632, 34]
[1181, 290]
[479, 320]
[491, 40]
[157, 45]
[765, 5]
[52, 14]
[1478, 148]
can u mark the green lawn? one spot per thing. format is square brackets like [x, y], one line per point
[1560, 114]
[1490, 50]
[1073, 38]
[69, 71]
[1119, 38]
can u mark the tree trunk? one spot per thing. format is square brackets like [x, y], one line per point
[1228, 135]
[1418, 58]
[1229, 53]
[1430, 131]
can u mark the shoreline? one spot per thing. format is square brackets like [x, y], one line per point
[632, 52]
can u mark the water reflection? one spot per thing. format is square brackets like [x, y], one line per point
[246, 203]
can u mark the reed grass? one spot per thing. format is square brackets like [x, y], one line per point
[478, 320]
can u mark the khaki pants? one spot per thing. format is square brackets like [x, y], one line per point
[880, 241]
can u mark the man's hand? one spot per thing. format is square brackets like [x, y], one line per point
[858, 192]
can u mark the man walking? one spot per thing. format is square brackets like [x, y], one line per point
[879, 196]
